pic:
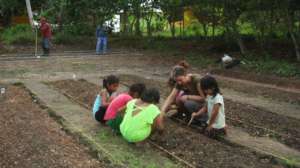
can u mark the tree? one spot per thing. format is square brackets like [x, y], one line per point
[289, 9]
[10, 8]
[149, 8]
[232, 10]
[173, 11]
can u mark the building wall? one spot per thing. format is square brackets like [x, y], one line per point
[20, 20]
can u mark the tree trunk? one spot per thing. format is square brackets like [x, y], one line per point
[296, 45]
[7, 18]
[131, 26]
[213, 29]
[290, 23]
[172, 28]
[149, 31]
[137, 22]
[241, 45]
[204, 26]
[125, 22]
[238, 38]
[148, 22]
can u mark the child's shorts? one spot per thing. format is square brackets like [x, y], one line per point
[99, 115]
[216, 133]
[115, 123]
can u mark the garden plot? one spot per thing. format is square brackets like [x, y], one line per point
[185, 143]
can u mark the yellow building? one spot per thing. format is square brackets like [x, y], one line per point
[188, 18]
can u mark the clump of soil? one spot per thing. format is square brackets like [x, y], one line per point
[189, 145]
[30, 138]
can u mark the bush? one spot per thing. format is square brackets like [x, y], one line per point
[19, 34]
[269, 65]
[67, 38]
[74, 34]
[79, 29]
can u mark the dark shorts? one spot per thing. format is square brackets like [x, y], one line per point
[115, 123]
[216, 133]
[99, 115]
[193, 106]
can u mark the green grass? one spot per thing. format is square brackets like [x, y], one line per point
[127, 153]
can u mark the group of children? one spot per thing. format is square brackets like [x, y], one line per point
[135, 114]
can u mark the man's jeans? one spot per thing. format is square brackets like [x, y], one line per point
[101, 45]
[46, 46]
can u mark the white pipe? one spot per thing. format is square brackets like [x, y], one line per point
[29, 11]
[30, 17]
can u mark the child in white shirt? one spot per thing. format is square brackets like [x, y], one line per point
[214, 108]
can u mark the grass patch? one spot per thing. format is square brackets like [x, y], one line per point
[125, 152]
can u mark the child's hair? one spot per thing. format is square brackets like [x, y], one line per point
[209, 82]
[151, 96]
[179, 69]
[138, 88]
[184, 64]
[109, 80]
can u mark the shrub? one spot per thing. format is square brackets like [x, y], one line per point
[269, 65]
[19, 34]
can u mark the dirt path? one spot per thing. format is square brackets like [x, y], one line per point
[30, 138]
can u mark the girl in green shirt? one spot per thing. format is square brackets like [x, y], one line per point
[142, 116]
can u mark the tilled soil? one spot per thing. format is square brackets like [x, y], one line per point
[273, 94]
[256, 121]
[268, 79]
[30, 138]
[193, 147]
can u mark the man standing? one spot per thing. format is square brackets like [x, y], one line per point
[46, 36]
[101, 45]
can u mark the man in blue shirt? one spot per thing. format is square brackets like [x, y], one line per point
[101, 40]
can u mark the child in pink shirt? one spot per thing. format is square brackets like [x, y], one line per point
[112, 115]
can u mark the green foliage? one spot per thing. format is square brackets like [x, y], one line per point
[19, 34]
[79, 29]
[272, 66]
[68, 38]
[73, 34]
